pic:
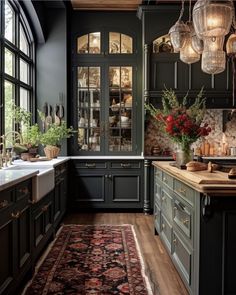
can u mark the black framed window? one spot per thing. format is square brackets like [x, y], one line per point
[16, 64]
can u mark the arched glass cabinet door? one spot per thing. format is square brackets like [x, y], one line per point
[89, 43]
[120, 43]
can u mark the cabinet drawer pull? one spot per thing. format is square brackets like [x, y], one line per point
[23, 190]
[181, 191]
[92, 165]
[16, 215]
[165, 180]
[185, 222]
[3, 204]
[174, 241]
[125, 165]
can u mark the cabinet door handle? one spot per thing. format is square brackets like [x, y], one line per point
[3, 204]
[174, 241]
[23, 190]
[125, 165]
[90, 165]
[31, 201]
[165, 180]
[163, 226]
[16, 215]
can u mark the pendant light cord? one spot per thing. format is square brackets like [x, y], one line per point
[190, 11]
[181, 11]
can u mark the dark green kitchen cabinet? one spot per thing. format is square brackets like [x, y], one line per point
[60, 193]
[42, 222]
[15, 235]
[165, 69]
[106, 84]
[113, 184]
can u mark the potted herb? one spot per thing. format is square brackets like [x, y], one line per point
[53, 136]
[30, 133]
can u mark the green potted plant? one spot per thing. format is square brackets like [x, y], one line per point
[30, 133]
[53, 136]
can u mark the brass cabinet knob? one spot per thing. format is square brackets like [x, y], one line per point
[16, 215]
[4, 204]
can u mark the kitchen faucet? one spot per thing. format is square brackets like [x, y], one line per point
[5, 156]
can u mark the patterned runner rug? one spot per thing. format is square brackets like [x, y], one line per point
[92, 259]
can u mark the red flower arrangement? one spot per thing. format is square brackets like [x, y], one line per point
[181, 123]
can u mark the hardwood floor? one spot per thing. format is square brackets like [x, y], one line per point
[162, 274]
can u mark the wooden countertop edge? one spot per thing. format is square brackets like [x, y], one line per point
[213, 189]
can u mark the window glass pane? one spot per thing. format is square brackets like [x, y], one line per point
[95, 43]
[126, 44]
[114, 76]
[114, 42]
[9, 100]
[126, 77]
[94, 77]
[24, 46]
[24, 71]
[82, 44]
[82, 76]
[24, 99]
[9, 62]
[9, 22]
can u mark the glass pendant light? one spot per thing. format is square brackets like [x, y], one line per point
[197, 43]
[178, 32]
[212, 18]
[213, 62]
[213, 56]
[231, 45]
[187, 53]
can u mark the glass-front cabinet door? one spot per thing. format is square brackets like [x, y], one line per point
[120, 109]
[105, 94]
[89, 108]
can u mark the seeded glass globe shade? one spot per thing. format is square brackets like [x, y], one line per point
[213, 43]
[213, 62]
[212, 18]
[178, 34]
[187, 53]
[231, 45]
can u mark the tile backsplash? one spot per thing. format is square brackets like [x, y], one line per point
[214, 118]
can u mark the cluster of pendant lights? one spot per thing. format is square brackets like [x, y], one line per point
[205, 34]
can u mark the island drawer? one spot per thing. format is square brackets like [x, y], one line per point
[166, 232]
[182, 257]
[91, 165]
[157, 217]
[6, 199]
[167, 180]
[184, 191]
[166, 204]
[183, 218]
[158, 174]
[125, 164]
[157, 192]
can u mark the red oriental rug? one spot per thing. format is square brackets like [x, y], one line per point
[92, 259]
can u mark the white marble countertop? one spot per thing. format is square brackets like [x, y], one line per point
[50, 163]
[107, 157]
[11, 177]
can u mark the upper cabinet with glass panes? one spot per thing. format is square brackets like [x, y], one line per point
[162, 45]
[118, 43]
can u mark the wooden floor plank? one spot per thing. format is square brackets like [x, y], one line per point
[161, 271]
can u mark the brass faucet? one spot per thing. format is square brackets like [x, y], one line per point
[5, 157]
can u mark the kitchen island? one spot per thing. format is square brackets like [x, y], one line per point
[195, 216]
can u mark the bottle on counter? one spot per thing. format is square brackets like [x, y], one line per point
[207, 148]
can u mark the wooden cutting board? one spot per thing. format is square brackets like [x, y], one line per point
[205, 177]
[202, 177]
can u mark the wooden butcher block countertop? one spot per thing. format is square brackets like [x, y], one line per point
[202, 181]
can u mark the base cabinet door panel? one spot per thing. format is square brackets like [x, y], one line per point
[106, 184]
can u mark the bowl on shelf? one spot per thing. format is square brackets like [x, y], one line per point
[124, 119]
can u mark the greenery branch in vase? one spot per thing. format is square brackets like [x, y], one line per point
[53, 136]
[181, 122]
